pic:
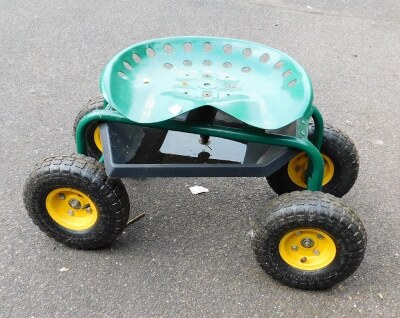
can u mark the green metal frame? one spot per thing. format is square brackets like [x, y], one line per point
[250, 134]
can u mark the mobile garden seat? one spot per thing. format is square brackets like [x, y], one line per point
[206, 106]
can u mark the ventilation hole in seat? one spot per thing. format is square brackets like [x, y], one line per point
[207, 62]
[168, 66]
[136, 58]
[127, 66]
[287, 73]
[292, 83]
[246, 69]
[228, 48]
[247, 52]
[187, 47]
[187, 63]
[123, 75]
[227, 65]
[207, 47]
[150, 52]
[264, 58]
[278, 65]
[168, 48]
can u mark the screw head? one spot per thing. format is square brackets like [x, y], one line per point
[88, 210]
[71, 213]
[316, 252]
[298, 233]
[295, 248]
[61, 196]
[303, 259]
[319, 236]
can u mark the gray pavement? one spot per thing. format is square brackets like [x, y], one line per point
[190, 256]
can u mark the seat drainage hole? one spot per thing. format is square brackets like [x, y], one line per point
[168, 66]
[287, 73]
[227, 65]
[123, 75]
[228, 48]
[207, 62]
[127, 66]
[247, 52]
[136, 58]
[278, 65]
[187, 63]
[264, 58]
[246, 69]
[187, 47]
[150, 52]
[207, 47]
[292, 83]
[168, 48]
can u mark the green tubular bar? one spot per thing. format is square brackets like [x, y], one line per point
[319, 128]
[247, 135]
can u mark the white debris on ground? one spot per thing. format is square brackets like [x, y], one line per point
[64, 269]
[198, 189]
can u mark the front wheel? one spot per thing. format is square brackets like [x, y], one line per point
[340, 166]
[71, 199]
[308, 240]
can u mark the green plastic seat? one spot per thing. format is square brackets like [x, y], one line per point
[160, 79]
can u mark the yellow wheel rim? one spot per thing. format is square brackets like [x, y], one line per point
[307, 249]
[97, 139]
[71, 209]
[297, 169]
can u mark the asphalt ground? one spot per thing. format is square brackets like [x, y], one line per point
[190, 256]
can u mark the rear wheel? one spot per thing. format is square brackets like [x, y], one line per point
[308, 240]
[340, 166]
[93, 138]
[71, 199]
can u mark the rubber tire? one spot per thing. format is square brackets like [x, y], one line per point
[308, 209]
[88, 176]
[343, 153]
[91, 105]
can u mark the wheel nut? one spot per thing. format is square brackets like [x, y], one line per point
[75, 204]
[61, 196]
[70, 212]
[316, 252]
[307, 242]
[303, 259]
[295, 248]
